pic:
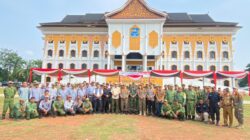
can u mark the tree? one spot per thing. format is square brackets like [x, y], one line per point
[13, 67]
[11, 62]
[244, 82]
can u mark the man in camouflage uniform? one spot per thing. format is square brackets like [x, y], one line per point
[238, 108]
[178, 111]
[58, 106]
[170, 94]
[133, 99]
[9, 94]
[191, 102]
[19, 109]
[166, 110]
[31, 109]
[87, 106]
[180, 96]
[227, 105]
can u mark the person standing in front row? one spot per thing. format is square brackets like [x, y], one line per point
[98, 98]
[124, 99]
[115, 98]
[106, 99]
[160, 94]
[150, 99]
[238, 108]
[142, 92]
[9, 94]
[227, 105]
[214, 108]
[133, 98]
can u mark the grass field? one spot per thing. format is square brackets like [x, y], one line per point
[118, 127]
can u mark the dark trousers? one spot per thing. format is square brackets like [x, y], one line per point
[98, 105]
[42, 114]
[106, 105]
[150, 107]
[115, 105]
[158, 108]
[215, 111]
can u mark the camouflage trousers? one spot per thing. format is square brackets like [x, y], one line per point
[238, 113]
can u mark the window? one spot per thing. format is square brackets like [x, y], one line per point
[106, 54]
[224, 42]
[211, 42]
[199, 68]
[212, 68]
[96, 53]
[60, 66]
[174, 54]
[84, 66]
[212, 55]
[173, 42]
[186, 55]
[49, 66]
[95, 66]
[186, 67]
[96, 42]
[199, 42]
[72, 66]
[186, 42]
[226, 83]
[62, 42]
[84, 53]
[48, 79]
[85, 42]
[174, 67]
[72, 53]
[225, 68]
[50, 41]
[225, 55]
[61, 53]
[106, 66]
[199, 54]
[73, 42]
[50, 53]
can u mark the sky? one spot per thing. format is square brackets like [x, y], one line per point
[19, 20]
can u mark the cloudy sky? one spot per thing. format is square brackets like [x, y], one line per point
[19, 19]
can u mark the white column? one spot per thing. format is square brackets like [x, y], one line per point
[43, 78]
[161, 62]
[123, 63]
[145, 64]
[108, 62]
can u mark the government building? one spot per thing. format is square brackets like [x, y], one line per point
[138, 38]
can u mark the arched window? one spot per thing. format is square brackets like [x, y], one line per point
[199, 54]
[49, 66]
[212, 55]
[212, 68]
[60, 66]
[96, 53]
[225, 68]
[186, 55]
[226, 83]
[50, 53]
[84, 66]
[174, 54]
[225, 55]
[48, 79]
[174, 67]
[72, 53]
[72, 66]
[186, 67]
[95, 66]
[61, 53]
[199, 68]
[84, 53]
[106, 54]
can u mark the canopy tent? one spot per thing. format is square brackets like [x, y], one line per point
[198, 74]
[105, 72]
[75, 72]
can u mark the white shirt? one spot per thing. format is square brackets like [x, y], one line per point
[115, 92]
[68, 104]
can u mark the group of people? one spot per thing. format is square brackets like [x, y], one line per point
[169, 101]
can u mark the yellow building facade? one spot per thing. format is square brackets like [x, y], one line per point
[136, 37]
